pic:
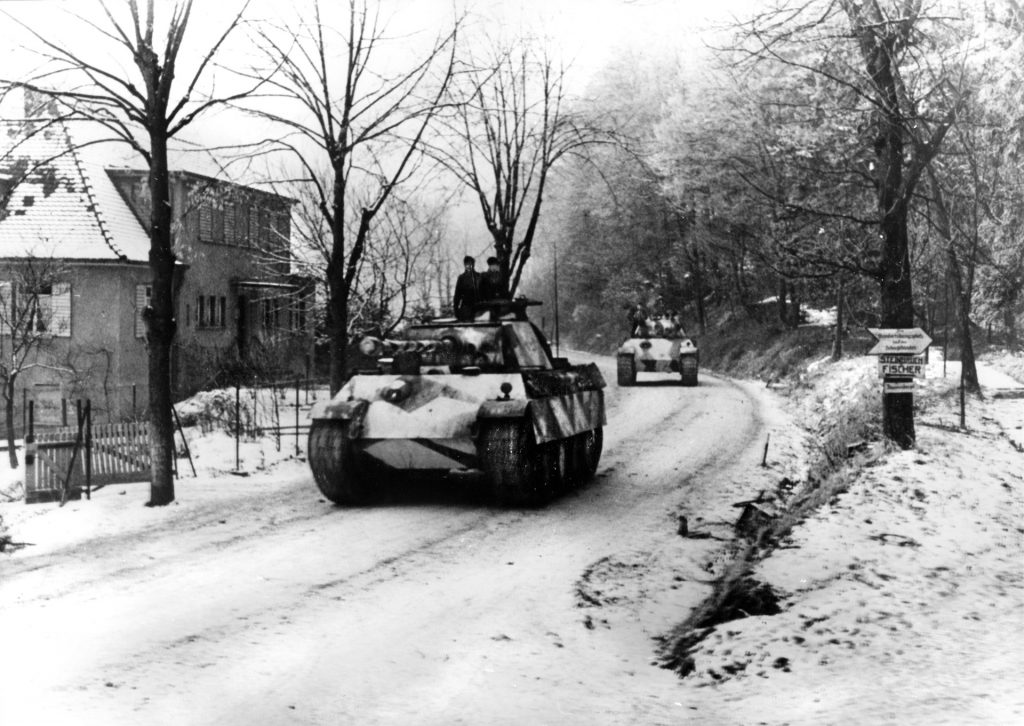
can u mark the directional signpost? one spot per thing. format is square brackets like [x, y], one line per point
[902, 357]
[899, 341]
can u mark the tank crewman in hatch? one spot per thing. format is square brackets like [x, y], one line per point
[467, 290]
[637, 319]
[492, 284]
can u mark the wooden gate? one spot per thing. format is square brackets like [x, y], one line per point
[59, 464]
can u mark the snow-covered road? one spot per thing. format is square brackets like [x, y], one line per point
[252, 601]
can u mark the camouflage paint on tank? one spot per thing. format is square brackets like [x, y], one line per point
[563, 416]
[432, 406]
[445, 381]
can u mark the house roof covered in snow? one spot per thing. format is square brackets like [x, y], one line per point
[57, 204]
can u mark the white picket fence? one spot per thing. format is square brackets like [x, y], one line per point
[61, 463]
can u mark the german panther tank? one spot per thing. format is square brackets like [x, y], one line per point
[658, 346]
[484, 400]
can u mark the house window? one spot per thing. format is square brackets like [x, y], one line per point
[254, 226]
[242, 225]
[143, 299]
[264, 227]
[230, 226]
[270, 313]
[282, 229]
[218, 223]
[51, 310]
[205, 221]
[45, 309]
[211, 311]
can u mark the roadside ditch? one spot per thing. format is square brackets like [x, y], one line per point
[838, 406]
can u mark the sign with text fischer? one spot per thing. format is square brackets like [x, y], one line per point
[908, 341]
[901, 366]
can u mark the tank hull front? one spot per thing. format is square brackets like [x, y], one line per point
[432, 423]
[525, 435]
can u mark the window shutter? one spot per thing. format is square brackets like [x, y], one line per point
[205, 221]
[264, 227]
[143, 296]
[60, 310]
[230, 230]
[6, 307]
[284, 223]
[218, 222]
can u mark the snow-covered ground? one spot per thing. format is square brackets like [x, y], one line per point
[904, 597]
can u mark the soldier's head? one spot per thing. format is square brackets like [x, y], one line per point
[469, 263]
[492, 264]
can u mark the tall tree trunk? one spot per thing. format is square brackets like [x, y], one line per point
[1010, 318]
[897, 312]
[698, 291]
[12, 452]
[161, 325]
[337, 332]
[968, 367]
[837, 338]
[781, 305]
[795, 302]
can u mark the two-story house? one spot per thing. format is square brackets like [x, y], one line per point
[239, 310]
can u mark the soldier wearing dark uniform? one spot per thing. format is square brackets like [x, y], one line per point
[467, 291]
[492, 284]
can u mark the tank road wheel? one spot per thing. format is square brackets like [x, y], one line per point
[627, 370]
[591, 444]
[688, 370]
[332, 457]
[511, 459]
[556, 465]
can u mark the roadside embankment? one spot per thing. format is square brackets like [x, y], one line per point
[885, 588]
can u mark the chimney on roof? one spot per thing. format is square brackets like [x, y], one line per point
[39, 105]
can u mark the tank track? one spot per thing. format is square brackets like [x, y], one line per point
[526, 474]
[334, 461]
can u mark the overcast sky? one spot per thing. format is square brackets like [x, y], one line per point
[585, 34]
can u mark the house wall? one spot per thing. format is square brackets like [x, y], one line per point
[102, 360]
[226, 236]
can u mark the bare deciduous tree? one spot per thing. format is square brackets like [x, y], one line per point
[122, 75]
[347, 110]
[510, 129]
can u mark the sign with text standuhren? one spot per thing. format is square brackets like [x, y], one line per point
[901, 366]
[906, 341]
[898, 385]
